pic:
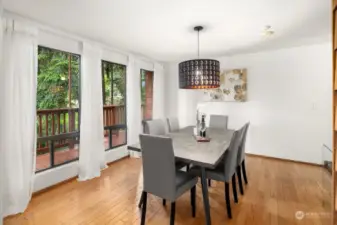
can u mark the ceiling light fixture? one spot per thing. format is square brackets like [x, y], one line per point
[268, 31]
[199, 73]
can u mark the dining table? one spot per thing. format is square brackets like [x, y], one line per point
[205, 155]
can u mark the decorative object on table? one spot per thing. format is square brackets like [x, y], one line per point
[198, 123]
[202, 139]
[199, 73]
[233, 87]
[203, 126]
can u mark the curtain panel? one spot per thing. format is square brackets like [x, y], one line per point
[18, 115]
[92, 150]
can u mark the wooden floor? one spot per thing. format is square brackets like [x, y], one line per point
[276, 191]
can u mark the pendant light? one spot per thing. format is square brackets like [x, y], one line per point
[199, 73]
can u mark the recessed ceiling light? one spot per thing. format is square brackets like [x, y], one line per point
[268, 31]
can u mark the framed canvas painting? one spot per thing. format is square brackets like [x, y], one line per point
[233, 87]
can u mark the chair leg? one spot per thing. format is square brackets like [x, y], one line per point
[173, 213]
[142, 222]
[193, 202]
[238, 171]
[209, 182]
[141, 200]
[187, 167]
[164, 202]
[244, 171]
[228, 201]
[235, 194]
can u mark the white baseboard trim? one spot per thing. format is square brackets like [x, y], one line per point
[65, 172]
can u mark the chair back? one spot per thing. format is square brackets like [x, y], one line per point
[241, 154]
[231, 155]
[159, 172]
[155, 127]
[218, 121]
[173, 124]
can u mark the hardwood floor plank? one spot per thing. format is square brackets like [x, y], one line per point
[276, 191]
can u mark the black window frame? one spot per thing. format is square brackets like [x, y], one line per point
[71, 135]
[117, 126]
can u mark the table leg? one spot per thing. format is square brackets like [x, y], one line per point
[205, 196]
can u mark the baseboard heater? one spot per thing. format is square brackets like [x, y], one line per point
[328, 165]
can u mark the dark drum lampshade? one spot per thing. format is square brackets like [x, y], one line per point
[199, 74]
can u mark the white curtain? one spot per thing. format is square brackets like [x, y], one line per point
[18, 115]
[92, 151]
[158, 92]
[133, 100]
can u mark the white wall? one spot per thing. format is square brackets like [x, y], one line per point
[289, 101]
[53, 176]
[179, 102]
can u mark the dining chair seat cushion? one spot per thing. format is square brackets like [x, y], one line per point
[184, 182]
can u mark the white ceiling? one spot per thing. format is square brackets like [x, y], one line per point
[163, 29]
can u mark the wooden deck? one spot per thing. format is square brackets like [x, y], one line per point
[68, 154]
[276, 191]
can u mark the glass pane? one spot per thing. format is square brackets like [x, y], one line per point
[118, 137]
[114, 98]
[58, 102]
[42, 156]
[146, 87]
[66, 150]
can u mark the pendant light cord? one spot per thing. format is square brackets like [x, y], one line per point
[198, 45]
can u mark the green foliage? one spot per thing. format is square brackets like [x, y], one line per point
[53, 79]
[114, 83]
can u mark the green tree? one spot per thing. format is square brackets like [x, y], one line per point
[114, 83]
[53, 79]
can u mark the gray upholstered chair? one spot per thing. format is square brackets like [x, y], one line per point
[160, 175]
[218, 121]
[157, 127]
[173, 124]
[225, 171]
[241, 165]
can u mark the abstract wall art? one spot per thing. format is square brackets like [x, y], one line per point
[233, 87]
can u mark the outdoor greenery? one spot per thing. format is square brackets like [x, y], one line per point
[114, 83]
[53, 79]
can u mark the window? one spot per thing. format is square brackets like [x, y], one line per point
[146, 87]
[58, 108]
[114, 104]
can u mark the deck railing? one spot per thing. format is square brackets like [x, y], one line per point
[51, 122]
